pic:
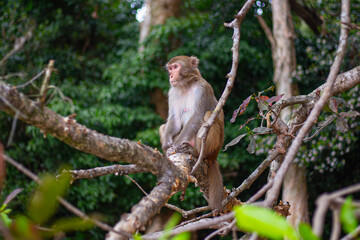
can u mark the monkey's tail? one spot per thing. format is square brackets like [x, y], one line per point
[216, 187]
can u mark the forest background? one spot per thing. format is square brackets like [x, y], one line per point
[117, 87]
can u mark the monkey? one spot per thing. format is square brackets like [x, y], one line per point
[191, 103]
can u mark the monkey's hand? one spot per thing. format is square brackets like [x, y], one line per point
[167, 144]
[185, 147]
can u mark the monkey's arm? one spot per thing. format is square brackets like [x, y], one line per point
[172, 128]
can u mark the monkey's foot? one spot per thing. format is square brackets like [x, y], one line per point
[185, 147]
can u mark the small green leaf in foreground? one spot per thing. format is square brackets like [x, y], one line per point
[44, 202]
[347, 216]
[264, 222]
[306, 233]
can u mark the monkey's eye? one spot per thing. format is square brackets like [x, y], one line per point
[175, 66]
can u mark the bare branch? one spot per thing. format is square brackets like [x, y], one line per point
[224, 230]
[267, 31]
[19, 43]
[31, 80]
[323, 202]
[45, 84]
[80, 137]
[353, 235]
[316, 110]
[327, 124]
[13, 127]
[235, 24]
[202, 224]
[253, 176]
[172, 178]
[107, 170]
[261, 192]
[10, 75]
[204, 129]
[66, 204]
[336, 226]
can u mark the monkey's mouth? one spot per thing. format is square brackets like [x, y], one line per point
[173, 81]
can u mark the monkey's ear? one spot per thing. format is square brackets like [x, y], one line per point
[194, 61]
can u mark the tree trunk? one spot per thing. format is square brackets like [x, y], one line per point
[294, 188]
[156, 13]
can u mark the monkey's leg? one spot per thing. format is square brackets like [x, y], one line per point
[162, 132]
[187, 148]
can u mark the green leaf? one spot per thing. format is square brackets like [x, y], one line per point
[137, 236]
[23, 228]
[7, 211]
[182, 236]
[347, 216]
[271, 88]
[264, 222]
[234, 141]
[44, 202]
[3, 207]
[5, 218]
[173, 221]
[306, 233]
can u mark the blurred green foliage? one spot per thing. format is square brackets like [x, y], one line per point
[99, 68]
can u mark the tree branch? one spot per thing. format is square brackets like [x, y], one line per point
[107, 170]
[19, 43]
[202, 224]
[323, 202]
[235, 24]
[65, 203]
[316, 110]
[171, 178]
[309, 16]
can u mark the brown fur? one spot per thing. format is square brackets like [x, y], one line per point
[191, 102]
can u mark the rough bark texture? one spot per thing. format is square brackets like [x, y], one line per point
[157, 11]
[173, 175]
[294, 186]
[284, 57]
[295, 192]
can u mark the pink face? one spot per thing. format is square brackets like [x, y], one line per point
[174, 74]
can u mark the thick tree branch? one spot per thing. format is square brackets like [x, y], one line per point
[78, 136]
[171, 178]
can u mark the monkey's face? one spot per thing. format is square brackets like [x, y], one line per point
[174, 74]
